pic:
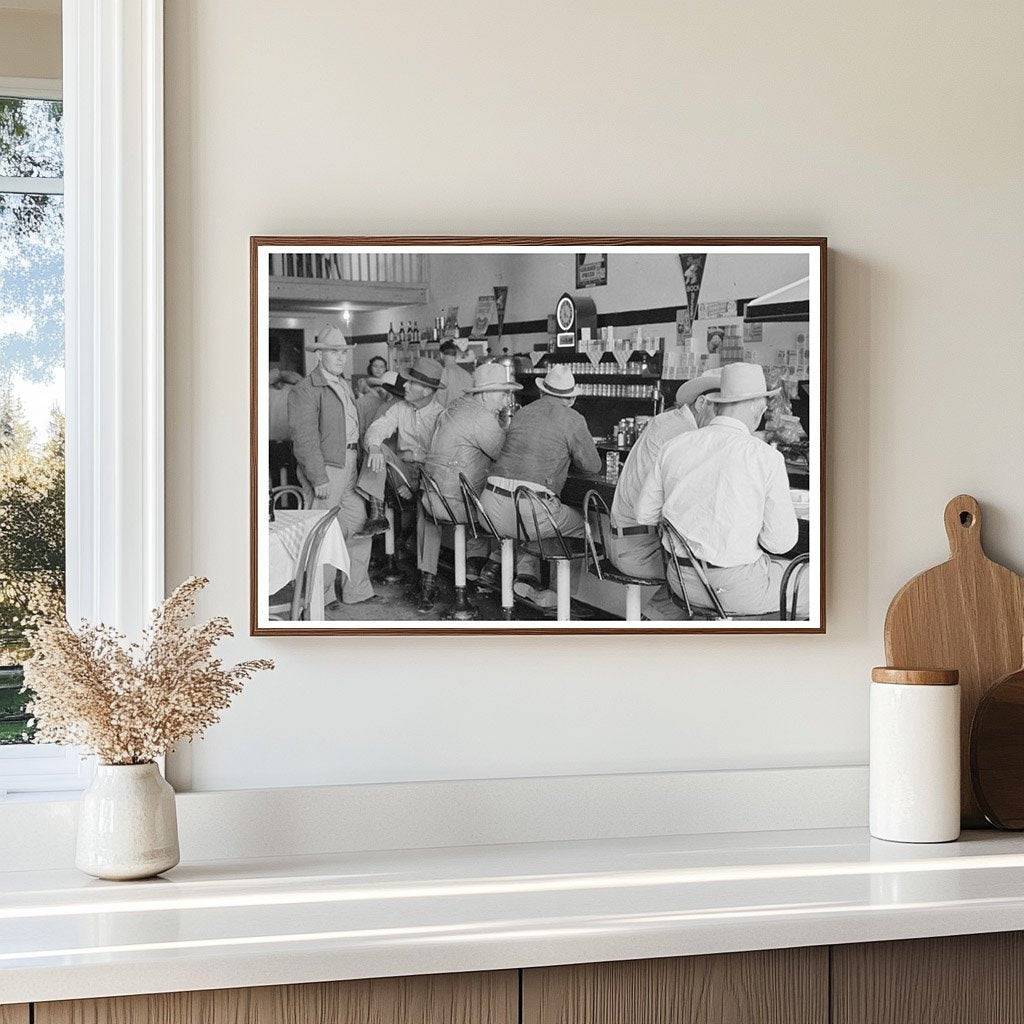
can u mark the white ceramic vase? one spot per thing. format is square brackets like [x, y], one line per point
[127, 825]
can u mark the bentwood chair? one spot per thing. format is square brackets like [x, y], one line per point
[287, 492]
[549, 545]
[795, 573]
[596, 513]
[305, 572]
[479, 520]
[462, 610]
[676, 543]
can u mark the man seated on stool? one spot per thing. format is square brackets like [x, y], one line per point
[545, 438]
[636, 549]
[727, 493]
[324, 427]
[468, 438]
[410, 422]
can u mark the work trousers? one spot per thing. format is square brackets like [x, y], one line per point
[371, 482]
[503, 514]
[743, 590]
[352, 515]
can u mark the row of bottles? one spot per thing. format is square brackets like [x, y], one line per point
[408, 333]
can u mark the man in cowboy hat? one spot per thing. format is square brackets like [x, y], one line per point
[633, 548]
[545, 438]
[324, 427]
[727, 493]
[468, 438]
[409, 424]
[382, 392]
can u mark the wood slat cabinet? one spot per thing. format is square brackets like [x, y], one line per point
[969, 979]
[481, 998]
[962, 979]
[774, 986]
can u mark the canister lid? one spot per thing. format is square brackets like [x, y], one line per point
[916, 676]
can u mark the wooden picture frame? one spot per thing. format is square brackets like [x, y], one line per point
[379, 261]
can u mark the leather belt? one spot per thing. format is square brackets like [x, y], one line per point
[632, 531]
[684, 561]
[509, 494]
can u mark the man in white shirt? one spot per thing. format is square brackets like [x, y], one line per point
[727, 493]
[633, 548]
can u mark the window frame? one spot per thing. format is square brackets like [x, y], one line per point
[112, 90]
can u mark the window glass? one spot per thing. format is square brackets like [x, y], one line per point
[31, 138]
[31, 388]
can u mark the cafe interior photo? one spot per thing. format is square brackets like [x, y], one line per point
[630, 327]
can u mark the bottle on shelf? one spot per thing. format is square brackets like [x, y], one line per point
[401, 333]
[392, 337]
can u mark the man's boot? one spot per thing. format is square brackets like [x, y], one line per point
[428, 592]
[376, 521]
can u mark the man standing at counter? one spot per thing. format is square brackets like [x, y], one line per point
[727, 493]
[636, 549]
[456, 380]
[324, 427]
[545, 438]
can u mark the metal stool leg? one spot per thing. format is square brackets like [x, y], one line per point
[632, 603]
[391, 572]
[507, 570]
[564, 587]
[462, 610]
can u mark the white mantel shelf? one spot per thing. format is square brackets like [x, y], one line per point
[263, 922]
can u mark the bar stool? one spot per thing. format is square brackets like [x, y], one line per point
[602, 566]
[462, 610]
[563, 553]
[392, 512]
[795, 573]
[479, 519]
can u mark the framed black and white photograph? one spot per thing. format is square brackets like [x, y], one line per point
[639, 453]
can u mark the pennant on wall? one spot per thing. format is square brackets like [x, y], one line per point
[500, 301]
[693, 273]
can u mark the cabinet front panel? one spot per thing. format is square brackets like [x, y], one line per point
[480, 998]
[961, 979]
[779, 986]
[14, 1013]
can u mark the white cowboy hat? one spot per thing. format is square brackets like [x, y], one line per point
[740, 382]
[332, 338]
[559, 382]
[492, 377]
[691, 390]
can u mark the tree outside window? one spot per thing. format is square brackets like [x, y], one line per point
[31, 387]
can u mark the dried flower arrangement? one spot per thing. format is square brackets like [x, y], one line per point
[130, 703]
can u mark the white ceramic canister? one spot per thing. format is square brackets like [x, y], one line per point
[127, 825]
[915, 755]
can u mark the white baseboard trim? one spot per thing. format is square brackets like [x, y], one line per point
[236, 824]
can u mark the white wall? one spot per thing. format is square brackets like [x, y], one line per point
[895, 129]
[30, 41]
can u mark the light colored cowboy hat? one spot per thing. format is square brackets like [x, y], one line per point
[426, 371]
[688, 392]
[330, 339]
[492, 377]
[558, 381]
[740, 382]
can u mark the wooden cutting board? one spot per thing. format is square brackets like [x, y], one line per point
[967, 614]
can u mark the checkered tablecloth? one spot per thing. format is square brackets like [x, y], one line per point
[288, 532]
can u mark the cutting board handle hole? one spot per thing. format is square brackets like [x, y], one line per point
[966, 519]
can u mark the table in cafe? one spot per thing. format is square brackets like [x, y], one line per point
[287, 534]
